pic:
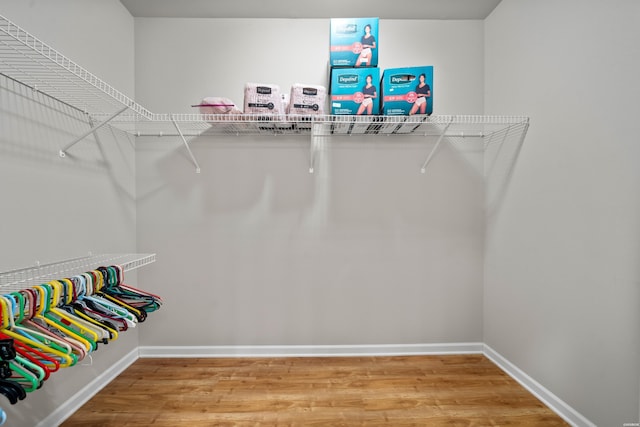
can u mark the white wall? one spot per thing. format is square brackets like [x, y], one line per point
[562, 286]
[53, 208]
[255, 250]
[366, 250]
[179, 61]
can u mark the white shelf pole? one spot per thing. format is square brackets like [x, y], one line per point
[423, 169]
[63, 152]
[314, 143]
[487, 169]
[186, 144]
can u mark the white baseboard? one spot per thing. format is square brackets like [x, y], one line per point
[556, 404]
[67, 409]
[308, 350]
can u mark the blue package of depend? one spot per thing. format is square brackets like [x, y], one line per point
[354, 42]
[407, 91]
[355, 91]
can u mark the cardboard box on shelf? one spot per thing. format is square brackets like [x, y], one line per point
[407, 91]
[354, 42]
[355, 91]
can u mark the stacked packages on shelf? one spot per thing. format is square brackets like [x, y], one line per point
[303, 99]
[268, 101]
[354, 76]
[356, 85]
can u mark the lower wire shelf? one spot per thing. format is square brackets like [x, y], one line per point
[15, 280]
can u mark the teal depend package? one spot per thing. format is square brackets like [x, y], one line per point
[407, 91]
[355, 91]
[354, 42]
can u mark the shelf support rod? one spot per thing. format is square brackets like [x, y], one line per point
[186, 144]
[312, 147]
[63, 152]
[423, 169]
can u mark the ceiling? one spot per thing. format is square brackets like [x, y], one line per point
[394, 9]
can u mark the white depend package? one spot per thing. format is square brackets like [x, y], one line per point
[263, 99]
[307, 100]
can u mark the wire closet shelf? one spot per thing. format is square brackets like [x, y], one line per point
[25, 58]
[29, 61]
[460, 126]
[15, 280]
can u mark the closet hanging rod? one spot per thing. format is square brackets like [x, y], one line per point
[273, 132]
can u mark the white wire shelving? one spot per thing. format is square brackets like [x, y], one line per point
[490, 129]
[23, 278]
[33, 63]
[319, 125]
[26, 59]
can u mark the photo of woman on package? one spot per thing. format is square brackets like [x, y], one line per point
[368, 42]
[423, 91]
[370, 93]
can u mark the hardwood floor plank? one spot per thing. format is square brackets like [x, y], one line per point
[460, 390]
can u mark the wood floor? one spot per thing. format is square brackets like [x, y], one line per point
[460, 390]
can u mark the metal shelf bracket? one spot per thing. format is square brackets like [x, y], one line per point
[313, 148]
[423, 169]
[63, 151]
[186, 144]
